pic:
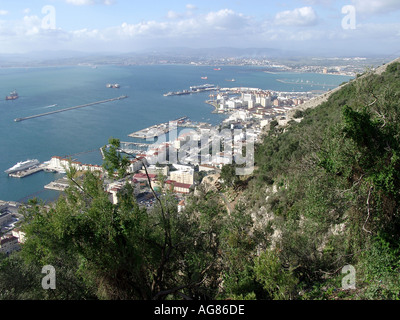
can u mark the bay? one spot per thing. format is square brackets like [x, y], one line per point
[80, 133]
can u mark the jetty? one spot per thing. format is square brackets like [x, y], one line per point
[67, 109]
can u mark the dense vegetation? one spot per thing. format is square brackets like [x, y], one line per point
[325, 195]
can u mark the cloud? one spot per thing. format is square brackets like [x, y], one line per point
[299, 17]
[80, 2]
[318, 2]
[191, 7]
[376, 6]
[223, 27]
[3, 12]
[90, 2]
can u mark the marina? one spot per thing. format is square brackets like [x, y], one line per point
[67, 109]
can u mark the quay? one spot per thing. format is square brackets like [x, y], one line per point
[58, 185]
[193, 89]
[71, 108]
[27, 172]
[157, 130]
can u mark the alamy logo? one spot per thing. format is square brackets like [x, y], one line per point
[350, 20]
[49, 281]
[49, 20]
[349, 280]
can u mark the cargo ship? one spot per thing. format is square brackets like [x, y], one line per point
[23, 166]
[13, 95]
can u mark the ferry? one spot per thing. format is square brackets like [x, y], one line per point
[23, 166]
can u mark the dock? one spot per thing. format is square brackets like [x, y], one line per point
[157, 130]
[58, 185]
[193, 89]
[67, 109]
[27, 172]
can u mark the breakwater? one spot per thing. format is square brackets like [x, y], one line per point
[67, 109]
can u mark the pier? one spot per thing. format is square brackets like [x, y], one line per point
[71, 108]
[27, 172]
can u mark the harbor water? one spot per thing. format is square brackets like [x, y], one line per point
[80, 133]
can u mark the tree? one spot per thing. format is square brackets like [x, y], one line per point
[228, 175]
[123, 251]
[113, 160]
[279, 282]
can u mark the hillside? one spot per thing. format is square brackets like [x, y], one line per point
[328, 190]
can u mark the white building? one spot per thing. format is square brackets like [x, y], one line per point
[181, 176]
[19, 235]
[234, 104]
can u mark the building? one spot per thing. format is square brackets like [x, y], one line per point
[234, 104]
[19, 235]
[8, 244]
[142, 177]
[61, 165]
[135, 165]
[5, 218]
[3, 206]
[164, 170]
[182, 176]
[177, 187]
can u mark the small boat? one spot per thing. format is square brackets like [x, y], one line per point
[217, 69]
[204, 78]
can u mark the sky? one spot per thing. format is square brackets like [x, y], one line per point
[335, 28]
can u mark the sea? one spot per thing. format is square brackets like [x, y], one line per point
[80, 133]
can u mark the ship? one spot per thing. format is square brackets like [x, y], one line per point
[202, 87]
[13, 95]
[23, 166]
[113, 86]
